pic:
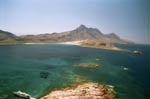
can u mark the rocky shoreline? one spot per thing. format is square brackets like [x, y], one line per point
[84, 90]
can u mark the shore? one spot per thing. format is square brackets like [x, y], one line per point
[85, 90]
[87, 43]
[82, 43]
[35, 43]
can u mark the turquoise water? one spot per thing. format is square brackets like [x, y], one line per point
[37, 69]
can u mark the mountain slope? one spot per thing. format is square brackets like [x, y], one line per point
[80, 33]
[7, 37]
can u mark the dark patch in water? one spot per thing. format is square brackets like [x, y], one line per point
[44, 75]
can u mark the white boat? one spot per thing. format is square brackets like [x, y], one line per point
[125, 68]
[23, 95]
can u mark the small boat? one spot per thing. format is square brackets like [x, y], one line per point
[23, 95]
[125, 68]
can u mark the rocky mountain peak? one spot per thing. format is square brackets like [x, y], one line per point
[82, 26]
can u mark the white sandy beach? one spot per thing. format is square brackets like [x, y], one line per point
[73, 42]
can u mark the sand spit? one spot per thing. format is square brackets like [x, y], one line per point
[86, 43]
[92, 44]
[72, 42]
[86, 90]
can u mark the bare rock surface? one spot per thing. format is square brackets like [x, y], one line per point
[87, 90]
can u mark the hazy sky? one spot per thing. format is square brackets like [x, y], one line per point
[130, 19]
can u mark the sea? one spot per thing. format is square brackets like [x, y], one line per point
[37, 69]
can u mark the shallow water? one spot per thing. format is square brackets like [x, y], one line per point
[37, 69]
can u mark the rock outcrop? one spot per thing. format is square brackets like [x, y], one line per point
[88, 90]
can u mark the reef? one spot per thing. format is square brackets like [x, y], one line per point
[44, 75]
[87, 65]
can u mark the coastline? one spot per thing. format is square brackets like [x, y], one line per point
[76, 43]
[35, 43]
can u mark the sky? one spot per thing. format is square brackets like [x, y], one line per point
[130, 19]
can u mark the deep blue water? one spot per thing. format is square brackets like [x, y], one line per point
[37, 69]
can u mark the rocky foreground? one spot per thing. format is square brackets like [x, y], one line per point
[87, 90]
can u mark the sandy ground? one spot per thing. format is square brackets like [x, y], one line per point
[73, 42]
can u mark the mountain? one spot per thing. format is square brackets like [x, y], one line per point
[7, 37]
[80, 33]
